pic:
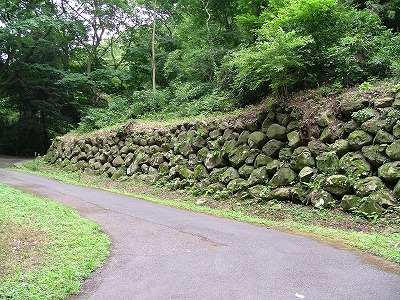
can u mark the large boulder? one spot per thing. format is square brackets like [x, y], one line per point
[359, 138]
[390, 171]
[341, 146]
[245, 171]
[316, 147]
[262, 160]
[338, 185]
[272, 148]
[283, 177]
[257, 139]
[229, 175]
[238, 156]
[302, 157]
[306, 174]
[213, 160]
[290, 194]
[295, 140]
[384, 197]
[258, 176]
[396, 190]
[383, 137]
[354, 165]
[200, 172]
[366, 186]
[393, 150]
[327, 162]
[375, 154]
[237, 185]
[277, 132]
[321, 198]
[350, 202]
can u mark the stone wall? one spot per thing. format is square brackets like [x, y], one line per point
[350, 158]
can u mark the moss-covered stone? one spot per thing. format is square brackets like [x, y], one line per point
[354, 165]
[272, 148]
[253, 153]
[262, 160]
[237, 185]
[215, 134]
[396, 190]
[197, 143]
[321, 198]
[289, 194]
[257, 192]
[383, 137]
[306, 174]
[375, 154]
[350, 202]
[338, 185]
[256, 139]
[202, 154]
[324, 118]
[277, 132]
[384, 197]
[238, 156]
[369, 207]
[228, 147]
[327, 162]
[229, 175]
[283, 177]
[383, 102]
[316, 147]
[366, 186]
[359, 138]
[350, 126]
[245, 171]
[215, 174]
[347, 107]
[118, 162]
[258, 176]
[273, 166]
[293, 125]
[243, 137]
[213, 160]
[265, 125]
[373, 125]
[393, 150]
[285, 154]
[302, 157]
[238, 126]
[200, 172]
[390, 171]
[294, 139]
[330, 134]
[163, 168]
[396, 131]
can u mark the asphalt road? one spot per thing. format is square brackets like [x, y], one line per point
[160, 252]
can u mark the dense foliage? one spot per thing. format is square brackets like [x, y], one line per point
[90, 62]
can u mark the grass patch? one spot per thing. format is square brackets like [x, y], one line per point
[47, 249]
[380, 236]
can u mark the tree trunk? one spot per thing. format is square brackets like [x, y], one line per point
[153, 46]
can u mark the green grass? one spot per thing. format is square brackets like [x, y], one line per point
[47, 249]
[378, 237]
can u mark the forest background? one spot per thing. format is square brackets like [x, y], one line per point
[87, 64]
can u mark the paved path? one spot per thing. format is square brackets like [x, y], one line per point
[160, 252]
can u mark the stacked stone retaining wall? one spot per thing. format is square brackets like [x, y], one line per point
[346, 156]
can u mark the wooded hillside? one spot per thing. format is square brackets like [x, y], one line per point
[88, 64]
